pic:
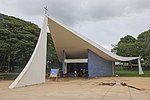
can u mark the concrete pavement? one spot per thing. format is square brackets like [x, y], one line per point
[79, 89]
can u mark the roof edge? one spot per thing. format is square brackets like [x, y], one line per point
[112, 55]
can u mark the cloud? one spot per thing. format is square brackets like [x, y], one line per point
[103, 21]
[74, 12]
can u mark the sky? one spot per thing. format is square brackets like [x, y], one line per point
[102, 21]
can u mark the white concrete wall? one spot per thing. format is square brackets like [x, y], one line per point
[34, 71]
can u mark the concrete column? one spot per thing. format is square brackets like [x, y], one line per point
[140, 68]
[64, 66]
[113, 67]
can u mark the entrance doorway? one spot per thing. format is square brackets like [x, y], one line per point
[77, 69]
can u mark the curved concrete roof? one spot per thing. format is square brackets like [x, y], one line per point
[76, 45]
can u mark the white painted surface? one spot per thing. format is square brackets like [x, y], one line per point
[34, 71]
[140, 68]
[76, 45]
[76, 60]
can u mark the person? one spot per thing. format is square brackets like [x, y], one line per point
[75, 73]
[83, 73]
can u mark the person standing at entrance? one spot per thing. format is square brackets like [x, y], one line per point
[75, 73]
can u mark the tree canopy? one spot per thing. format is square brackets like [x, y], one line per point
[132, 47]
[127, 46]
[18, 39]
[144, 46]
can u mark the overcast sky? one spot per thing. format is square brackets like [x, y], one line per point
[103, 21]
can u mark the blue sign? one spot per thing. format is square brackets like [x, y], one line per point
[54, 72]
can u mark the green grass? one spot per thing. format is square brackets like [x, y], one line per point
[120, 73]
[8, 75]
[127, 73]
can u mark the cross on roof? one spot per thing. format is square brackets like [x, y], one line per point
[46, 9]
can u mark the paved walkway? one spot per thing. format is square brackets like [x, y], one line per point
[79, 89]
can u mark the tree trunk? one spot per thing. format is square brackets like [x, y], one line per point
[8, 70]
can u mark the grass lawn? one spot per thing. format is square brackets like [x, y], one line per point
[120, 73]
[8, 75]
[128, 73]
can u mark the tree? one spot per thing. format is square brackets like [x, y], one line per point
[144, 46]
[18, 39]
[127, 47]
[51, 53]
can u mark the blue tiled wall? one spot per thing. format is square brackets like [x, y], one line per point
[97, 66]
